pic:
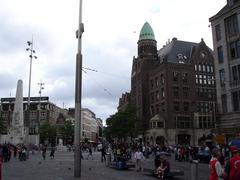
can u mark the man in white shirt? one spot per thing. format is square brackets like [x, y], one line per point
[216, 170]
[138, 157]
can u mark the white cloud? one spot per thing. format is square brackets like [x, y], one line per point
[109, 42]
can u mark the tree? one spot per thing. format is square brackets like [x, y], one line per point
[48, 133]
[121, 125]
[66, 132]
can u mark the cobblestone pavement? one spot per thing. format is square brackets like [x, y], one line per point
[61, 168]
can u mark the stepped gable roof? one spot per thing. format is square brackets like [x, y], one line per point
[176, 48]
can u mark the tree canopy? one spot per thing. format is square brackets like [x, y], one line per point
[121, 124]
[48, 133]
[67, 132]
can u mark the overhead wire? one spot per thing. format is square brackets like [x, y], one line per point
[104, 89]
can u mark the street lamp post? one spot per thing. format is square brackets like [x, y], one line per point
[78, 98]
[40, 95]
[32, 51]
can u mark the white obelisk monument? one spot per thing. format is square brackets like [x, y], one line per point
[16, 133]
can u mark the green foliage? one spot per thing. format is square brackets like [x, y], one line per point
[121, 124]
[66, 132]
[48, 133]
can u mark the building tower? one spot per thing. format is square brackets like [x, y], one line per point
[142, 64]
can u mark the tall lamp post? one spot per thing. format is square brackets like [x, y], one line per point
[78, 97]
[32, 51]
[41, 84]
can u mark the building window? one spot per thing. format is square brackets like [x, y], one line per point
[152, 83]
[162, 79]
[162, 93]
[157, 95]
[176, 105]
[186, 106]
[196, 78]
[152, 110]
[163, 107]
[43, 115]
[152, 97]
[160, 124]
[175, 76]
[235, 49]
[235, 100]
[200, 67]
[200, 79]
[185, 78]
[157, 108]
[231, 25]
[222, 77]
[156, 81]
[183, 122]
[234, 73]
[33, 115]
[203, 68]
[176, 92]
[224, 103]
[218, 32]
[208, 68]
[211, 68]
[185, 91]
[220, 54]
[195, 67]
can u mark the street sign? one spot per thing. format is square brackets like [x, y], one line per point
[220, 138]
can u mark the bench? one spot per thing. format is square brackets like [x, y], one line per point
[121, 165]
[171, 174]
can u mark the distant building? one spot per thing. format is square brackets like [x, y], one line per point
[91, 127]
[173, 90]
[124, 101]
[40, 111]
[226, 42]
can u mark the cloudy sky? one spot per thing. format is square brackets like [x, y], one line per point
[109, 43]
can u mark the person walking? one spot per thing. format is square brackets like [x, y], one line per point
[232, 168]
[138, 157]
[216, 170]
[44, 151]
[52, 152]
[103, 153]
[90, 152]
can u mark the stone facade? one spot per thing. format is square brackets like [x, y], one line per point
[48, 112]
[226, 32]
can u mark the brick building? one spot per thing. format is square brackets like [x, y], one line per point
[173, 90]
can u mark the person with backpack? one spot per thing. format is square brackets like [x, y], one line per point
[232, 168]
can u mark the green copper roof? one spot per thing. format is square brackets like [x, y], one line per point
[146, 32]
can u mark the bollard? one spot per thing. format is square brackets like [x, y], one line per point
[194, 170]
